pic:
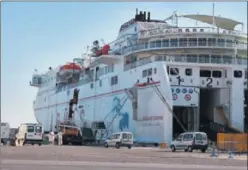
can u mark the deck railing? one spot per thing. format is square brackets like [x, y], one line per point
[189, 59]
[187, 30]
[162, 45]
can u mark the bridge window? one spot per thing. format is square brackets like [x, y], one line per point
[211, 42]
[216, 74]
[229, 43]
[192, 58]
[153, 44]
[205, 73]
[193, 42]
[221, 42]
[216, 59]
[173, 43]
[204, 58]
[144, 73]
[114, 80]
[149, 71]
[227, 59]
[158, 43]
[202, 42]
[237, 73]
[158, 58]
[174, 71]
[188, 72]
[183, 42]
[165, 43]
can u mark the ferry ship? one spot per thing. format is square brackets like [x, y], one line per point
[155, 80]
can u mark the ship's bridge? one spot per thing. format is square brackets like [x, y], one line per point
[36, 80]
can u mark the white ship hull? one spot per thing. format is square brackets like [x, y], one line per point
[153, 122]
[197, 70]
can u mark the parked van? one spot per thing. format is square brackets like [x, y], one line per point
[190, 141]
[120, 139]
[29, 133]
[5, 132]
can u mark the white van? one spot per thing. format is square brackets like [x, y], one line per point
[5, 132]
[120, 139]
[190, 141]
[31, 133]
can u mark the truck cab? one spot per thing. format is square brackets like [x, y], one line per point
[76, 135]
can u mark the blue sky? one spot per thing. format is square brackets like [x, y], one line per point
[39, 35]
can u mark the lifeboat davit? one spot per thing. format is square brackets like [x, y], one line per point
[103, 51]
[69, 69]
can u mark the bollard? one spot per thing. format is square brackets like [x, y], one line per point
[214, 154]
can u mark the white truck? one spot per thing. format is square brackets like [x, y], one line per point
[29, 133]
[5, 132]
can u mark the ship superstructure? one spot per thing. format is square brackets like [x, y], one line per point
[152, 68]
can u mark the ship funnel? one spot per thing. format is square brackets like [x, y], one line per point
[149, 17]
[136, 15]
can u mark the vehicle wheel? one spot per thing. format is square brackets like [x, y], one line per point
[185, 150]
[190, 149]
[32, 144]
[173, 149]
[39, 144]
[117, 145]
[106, 145]
[203, 150]
[129, 146]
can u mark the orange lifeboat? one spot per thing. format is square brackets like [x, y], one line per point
[69, 68]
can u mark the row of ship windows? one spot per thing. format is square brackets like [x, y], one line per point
[207, 73]
[175, 71]
[114, 81]
[192, 42]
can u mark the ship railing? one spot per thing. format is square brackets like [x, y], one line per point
[187, 30]
[189, 59]
[161, 44]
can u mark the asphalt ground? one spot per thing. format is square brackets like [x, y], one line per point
[95, 158]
